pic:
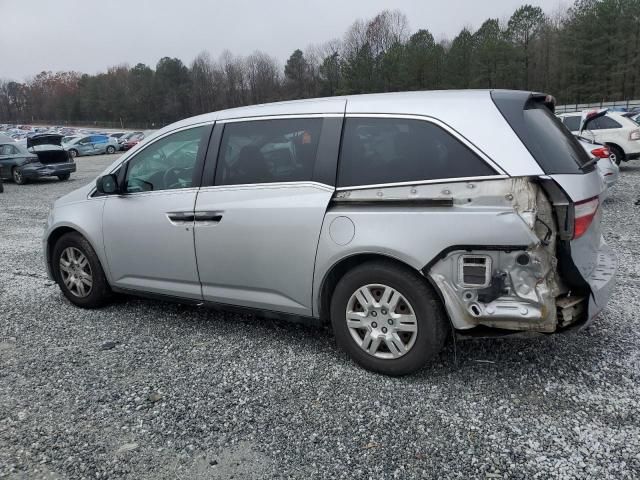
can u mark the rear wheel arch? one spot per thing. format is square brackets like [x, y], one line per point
[619, 148]
[340, 268]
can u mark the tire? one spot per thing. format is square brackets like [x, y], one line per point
[415, 295]
[73, 152]
[618, 153]
[67, 248]
[1, 186]
[111, 150]
[17, 176]
[65, 177]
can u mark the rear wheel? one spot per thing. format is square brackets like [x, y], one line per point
[64, 177]
[618, 154]
[78, 272]
[387, 318]
[111, 149]
[16, 174]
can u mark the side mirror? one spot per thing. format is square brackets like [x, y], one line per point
[107, 184]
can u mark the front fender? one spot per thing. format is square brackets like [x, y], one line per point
[84, 217]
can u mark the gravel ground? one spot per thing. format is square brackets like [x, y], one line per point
[143, 389]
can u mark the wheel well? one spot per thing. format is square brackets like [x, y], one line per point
[332, 278]
[53, 239]
[611, 144]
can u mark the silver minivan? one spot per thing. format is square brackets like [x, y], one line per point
[399, 218]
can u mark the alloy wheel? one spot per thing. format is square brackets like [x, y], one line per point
[76, 272]
[381, 321]
[17, 176]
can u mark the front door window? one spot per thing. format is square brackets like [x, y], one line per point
[167, 164]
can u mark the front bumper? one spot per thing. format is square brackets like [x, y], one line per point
[38, 170]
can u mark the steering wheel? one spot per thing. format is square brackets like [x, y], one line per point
[171, 177]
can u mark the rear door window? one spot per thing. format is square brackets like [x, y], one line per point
[603, 123]
[392, 150]
[8, 150]
[268, 151]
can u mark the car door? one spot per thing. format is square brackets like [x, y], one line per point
[5, 169]
[100, 145]
[85, 147]
[257, 225]
[148, 227]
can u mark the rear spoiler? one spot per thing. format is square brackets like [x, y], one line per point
[548, 101]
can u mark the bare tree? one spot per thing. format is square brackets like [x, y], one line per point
[263, 78]
[205, 90]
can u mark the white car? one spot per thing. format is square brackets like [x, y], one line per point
[607, 167]
[618, 132]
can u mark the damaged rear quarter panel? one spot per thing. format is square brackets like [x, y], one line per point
[399, 222]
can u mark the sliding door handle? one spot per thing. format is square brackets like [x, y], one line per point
[180, 218]
[208, 217]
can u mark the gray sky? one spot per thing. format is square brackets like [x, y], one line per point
[90, 35]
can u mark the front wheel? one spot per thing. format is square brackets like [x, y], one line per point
[65, 177]
[111, 149]
[387, 318]
[16, 174]
[78, 272]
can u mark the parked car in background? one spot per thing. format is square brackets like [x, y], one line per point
[619, 133]
[133, 141]
[600, 154]
[68, 138]
[604, 160]
[91, 145]
[116, 135]
[126, 137]
[43, 156]
[398, 217]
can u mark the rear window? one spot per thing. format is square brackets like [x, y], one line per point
[555, 149]
[572, 123]
[393, 150]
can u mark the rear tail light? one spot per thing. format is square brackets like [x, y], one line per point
[584, 213]
[602, 152]
[634, 135]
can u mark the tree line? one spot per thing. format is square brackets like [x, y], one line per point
[587, 53]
